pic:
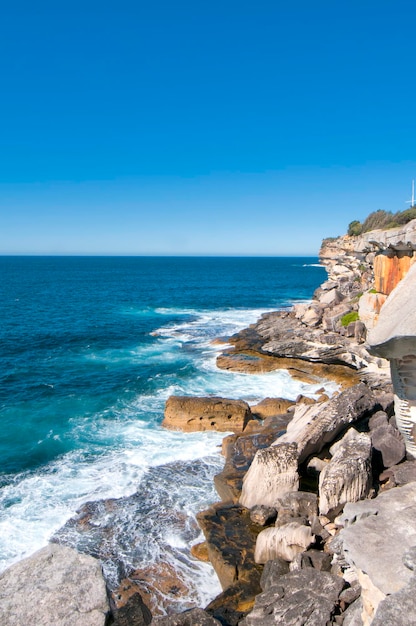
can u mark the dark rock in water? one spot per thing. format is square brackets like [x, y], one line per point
[193, 617]
[147, 533]
[233, 603]
[127, 606]
[306, 597]
[230, 538]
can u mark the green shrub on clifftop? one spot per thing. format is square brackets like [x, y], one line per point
[352, 316]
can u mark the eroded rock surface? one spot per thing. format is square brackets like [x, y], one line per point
[303, 598]
[195, 414]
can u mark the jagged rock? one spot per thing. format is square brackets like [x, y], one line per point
[370, 526]
[347, 477]
[317, 559]
[313, 427]
[312, 315]
[272, 474]
[262, 515]
[127, 606]
[230, 541]
[272, 572]
[56, 586]
[239, 451]
[284, 542]
[378, 419]
[399, 475]
[352, 615]
[230, 606]
[303, 598]
[390, 443]
[193, 617]
[194, 414]
[398, 609]
[333, 315]
[331, 297]
[369, 308]
[298, 504]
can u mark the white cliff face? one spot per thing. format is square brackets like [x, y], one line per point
[403, 374]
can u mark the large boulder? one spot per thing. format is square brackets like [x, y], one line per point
[193, 617]
[56, 586]
[191, 414]
[312, 427]
[377, 535]
[347, 477]
[273, 473]
[303, 598]
[284, 542]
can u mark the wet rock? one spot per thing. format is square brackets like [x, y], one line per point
[303, 598]
[200, 551]
[127, 606]
[193, 617]
[347, 477]
[230, 606]
[284, 542]
[272, 473]
[230, 538]
[194, 414]
[160, 585]
[56, 586]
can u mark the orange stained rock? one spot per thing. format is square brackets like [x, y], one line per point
[389, 271]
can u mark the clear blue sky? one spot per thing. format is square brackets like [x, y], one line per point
[202, 127]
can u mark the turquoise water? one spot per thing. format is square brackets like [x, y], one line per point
[91, 348]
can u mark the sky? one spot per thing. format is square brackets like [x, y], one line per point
[202, 127]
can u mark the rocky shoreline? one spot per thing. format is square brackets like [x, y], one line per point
[316, 523]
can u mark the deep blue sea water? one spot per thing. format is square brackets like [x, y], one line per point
[91, 348]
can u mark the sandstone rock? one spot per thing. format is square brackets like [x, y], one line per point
[284, 542]
[347, 478]
[378, 419]
[387, 521]
[56, 586]
[352, 616]
[303, 598]
[333, 315]
[194, 414]
[230, 606]
[193, 617]
[312, 315]
[200, 551]
[313, 427]
[369, 308]
[331, 297]
[270, 407]
[272, 474]
[389, 271]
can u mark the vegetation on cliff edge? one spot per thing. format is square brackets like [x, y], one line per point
[382, 219]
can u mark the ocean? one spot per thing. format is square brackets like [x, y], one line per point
[90, 349]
